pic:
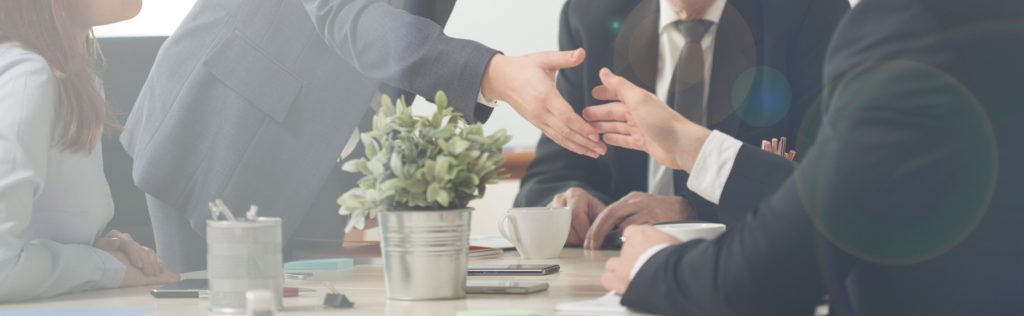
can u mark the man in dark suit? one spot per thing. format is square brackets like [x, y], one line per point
[745, 67]
[908, 203]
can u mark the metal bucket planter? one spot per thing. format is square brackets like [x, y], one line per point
[425, 253]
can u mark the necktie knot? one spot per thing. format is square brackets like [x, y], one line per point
[693, 31]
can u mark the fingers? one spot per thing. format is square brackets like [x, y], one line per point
[604, 93]
[559, 60]
[620, 87]
[164, 278]
[611, 112]
[613, 278]
[578, 202]
[624, 141]
[572, 128]
[604, 223]
[558, 201]
[613, 128]
[108, 243]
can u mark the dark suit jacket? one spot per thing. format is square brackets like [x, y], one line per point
[909, 203]
[783, 44]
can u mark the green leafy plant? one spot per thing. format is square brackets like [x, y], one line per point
[435, 162]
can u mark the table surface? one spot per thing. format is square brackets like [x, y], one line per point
[579, 279]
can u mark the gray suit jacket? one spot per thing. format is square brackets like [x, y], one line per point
[253, 100]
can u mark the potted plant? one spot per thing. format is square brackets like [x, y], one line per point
[420, 173]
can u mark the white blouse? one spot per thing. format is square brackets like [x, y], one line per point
[53, 203]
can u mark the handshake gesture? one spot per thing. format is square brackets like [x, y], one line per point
[527, 83]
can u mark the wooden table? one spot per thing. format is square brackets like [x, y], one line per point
[579, 279]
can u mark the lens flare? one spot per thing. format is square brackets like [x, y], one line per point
[932, 171]
[761, 96]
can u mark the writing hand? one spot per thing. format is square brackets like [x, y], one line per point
[527, 83]
[637, 208]
[617, 270]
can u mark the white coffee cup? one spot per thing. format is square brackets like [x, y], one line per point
[692, 231]
[537, 232]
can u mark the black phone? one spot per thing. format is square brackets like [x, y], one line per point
[504, 287]
[513, 269]
[188, 288]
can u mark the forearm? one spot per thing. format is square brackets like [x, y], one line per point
[45, 268]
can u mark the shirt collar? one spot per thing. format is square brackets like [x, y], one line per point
[669, 16]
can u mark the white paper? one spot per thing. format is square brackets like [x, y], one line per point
[607, 304]
[490, 241]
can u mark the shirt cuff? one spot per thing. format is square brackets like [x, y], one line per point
[112, 272]
[713, 166]
[640, 261]
[482, 100]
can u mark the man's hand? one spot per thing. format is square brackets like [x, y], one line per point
[528, 84]
[617, 270]
[640, 121]
[584, 208]
[134, 277]
[139, 256]
[637, 208]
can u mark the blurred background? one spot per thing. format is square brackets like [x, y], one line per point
[514, 27]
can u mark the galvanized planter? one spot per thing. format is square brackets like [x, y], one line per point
[425, 253]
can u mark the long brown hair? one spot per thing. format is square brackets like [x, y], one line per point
[43, 27]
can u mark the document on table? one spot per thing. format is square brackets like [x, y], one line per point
[607, 304]
[490, 241]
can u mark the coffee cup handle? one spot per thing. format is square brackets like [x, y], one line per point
[509, 233]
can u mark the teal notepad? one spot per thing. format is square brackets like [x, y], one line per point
[319, 264]
[500, 312]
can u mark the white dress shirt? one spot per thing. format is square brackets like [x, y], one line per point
[670, 45]
[53, 203]
[710, 173]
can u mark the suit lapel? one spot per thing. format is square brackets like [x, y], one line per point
[735, 53]
[636, 46]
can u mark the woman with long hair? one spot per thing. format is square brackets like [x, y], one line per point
[54, 197]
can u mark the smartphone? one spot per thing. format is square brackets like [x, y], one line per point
[504, 287]
[513, 269]
[189, 288]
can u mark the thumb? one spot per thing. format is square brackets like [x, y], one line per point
[617, 85]
[559, 60]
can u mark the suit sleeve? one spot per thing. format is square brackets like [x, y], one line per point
[805, 71]
[556, 169]
[403, 50]
[898, 143]
[805, 77]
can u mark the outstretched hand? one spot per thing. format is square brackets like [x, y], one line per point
[527, 83]
[637, 119]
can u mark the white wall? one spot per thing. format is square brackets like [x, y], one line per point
[514, 27]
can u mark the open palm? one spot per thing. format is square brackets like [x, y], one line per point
[636, 119]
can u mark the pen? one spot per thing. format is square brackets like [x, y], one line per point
[225, 210]
[293, 291]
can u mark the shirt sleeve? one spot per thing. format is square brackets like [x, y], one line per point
[31, 269]
[640, 261]
[482, 100]
[713, 166]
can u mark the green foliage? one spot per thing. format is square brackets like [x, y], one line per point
[425, 163]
